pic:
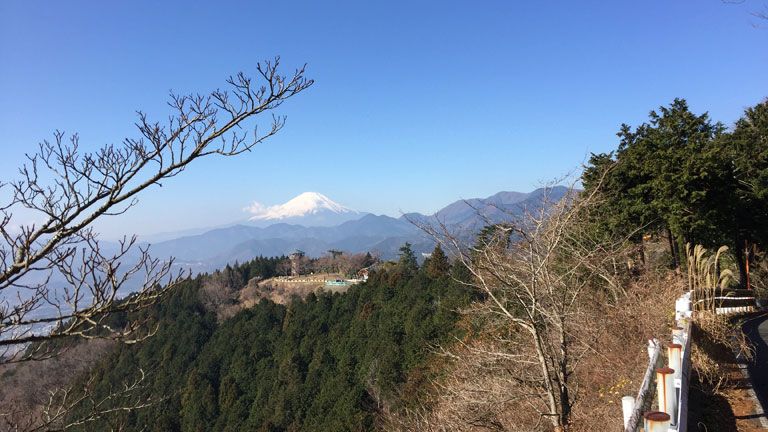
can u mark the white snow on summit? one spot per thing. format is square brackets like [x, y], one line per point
[308, 203]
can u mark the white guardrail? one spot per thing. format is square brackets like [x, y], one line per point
[671, 381]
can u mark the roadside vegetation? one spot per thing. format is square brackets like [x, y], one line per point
[536, 324]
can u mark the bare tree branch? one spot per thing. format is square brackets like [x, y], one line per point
[69, 189]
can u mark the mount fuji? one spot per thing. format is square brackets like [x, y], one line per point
[281, 229]
[310, 209]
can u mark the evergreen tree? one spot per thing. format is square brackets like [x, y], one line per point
[662, 176]
[438, 264]
[369, 260]
[743, 205]
[407, 260]
[682, 175]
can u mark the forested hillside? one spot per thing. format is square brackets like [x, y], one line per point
[327, 362]
[537, 323]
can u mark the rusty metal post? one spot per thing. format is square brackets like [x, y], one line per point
[656, 421]
[746, 261]
[674, 354]
[665, 383]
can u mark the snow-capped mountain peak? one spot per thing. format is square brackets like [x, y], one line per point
[306, 204]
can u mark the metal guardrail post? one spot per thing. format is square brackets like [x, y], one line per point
[665, 382]
[656, 421]
[627, 407]
[674, 359]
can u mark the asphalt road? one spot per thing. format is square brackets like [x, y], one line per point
[756, 330]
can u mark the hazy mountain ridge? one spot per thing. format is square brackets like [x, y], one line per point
[365, 233]
[474, 213]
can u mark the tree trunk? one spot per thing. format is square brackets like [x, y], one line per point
[565, 400]
[738, 251]
[547, 376]
[673, 251]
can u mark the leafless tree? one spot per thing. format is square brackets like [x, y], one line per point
[350, 264]
[25, 392]
[545, 277]
[218, 292]
[55, 413]
[283, 267]
[69, 190]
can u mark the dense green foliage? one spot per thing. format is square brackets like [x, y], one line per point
[689, 179]
[329, 362]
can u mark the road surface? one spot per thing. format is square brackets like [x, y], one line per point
[756, 329]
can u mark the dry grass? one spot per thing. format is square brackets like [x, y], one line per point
[647, 311]
[715, 337]
[715, 340]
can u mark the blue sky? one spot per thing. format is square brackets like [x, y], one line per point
[416, 104]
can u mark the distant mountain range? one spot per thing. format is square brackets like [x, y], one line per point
[314, 224]
[472, 214]
[205, 250]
